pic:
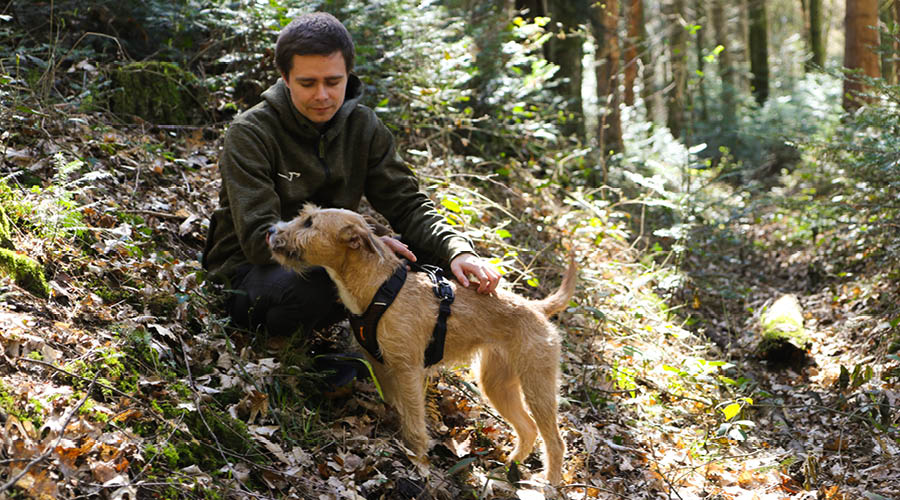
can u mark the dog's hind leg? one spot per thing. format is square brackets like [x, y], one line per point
[501, 386]
[539, 384]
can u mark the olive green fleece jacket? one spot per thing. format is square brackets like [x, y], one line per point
[275, 160]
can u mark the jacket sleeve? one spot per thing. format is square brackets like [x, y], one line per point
[245, 167]
[393, 190]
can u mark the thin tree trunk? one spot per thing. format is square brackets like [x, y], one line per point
[565, 50]
[633, 44]
[678, 56]
[816, 41]
[726, 68]
[604, 19]
[759, 50]
[860, 44]
[649, 89]
[887, 49]
[700, 15]
[897, 41]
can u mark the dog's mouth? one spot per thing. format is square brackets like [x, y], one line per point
[279, 248]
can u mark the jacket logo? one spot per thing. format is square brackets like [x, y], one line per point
[290, 176]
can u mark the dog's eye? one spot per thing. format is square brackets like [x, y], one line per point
[307, 222]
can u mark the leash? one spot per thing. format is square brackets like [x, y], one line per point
[365, 325]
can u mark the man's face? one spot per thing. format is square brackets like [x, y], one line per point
[317, 84]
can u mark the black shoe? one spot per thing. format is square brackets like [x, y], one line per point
[340, 369]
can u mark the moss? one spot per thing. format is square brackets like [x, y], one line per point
[784, 339]
[162, 304]
[157, 91]
[25, 271]
[5, 235]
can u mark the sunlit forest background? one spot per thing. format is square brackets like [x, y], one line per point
[727, 175]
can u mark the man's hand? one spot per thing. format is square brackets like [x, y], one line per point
[468, 264]
[399, 248]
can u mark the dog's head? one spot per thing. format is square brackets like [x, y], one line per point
[322, 237]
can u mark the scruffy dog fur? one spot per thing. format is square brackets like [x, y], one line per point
[518, 346]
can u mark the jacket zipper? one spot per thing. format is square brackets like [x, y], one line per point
[322, 157]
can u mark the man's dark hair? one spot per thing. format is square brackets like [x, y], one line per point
[318, 34]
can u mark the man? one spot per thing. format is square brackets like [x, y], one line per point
[311, 141]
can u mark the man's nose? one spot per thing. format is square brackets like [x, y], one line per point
[321, 92]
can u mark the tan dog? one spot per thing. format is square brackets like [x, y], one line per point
[518, 346]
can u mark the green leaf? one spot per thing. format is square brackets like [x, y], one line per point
[533, 282]
[451, 205]
[731, 410]
[503, 233]
[462, 464]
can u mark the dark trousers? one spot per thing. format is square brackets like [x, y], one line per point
[282, 301]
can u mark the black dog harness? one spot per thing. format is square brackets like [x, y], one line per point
[364, 326]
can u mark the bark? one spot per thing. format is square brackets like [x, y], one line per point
[604, 20]
[649, 89]
[860, 56]
[726, 66]
[759, 50]
[633, 45]
[700, 49]
[888, 69]
[565, 50]
[816, 60]
[896, 42]
[678, 57]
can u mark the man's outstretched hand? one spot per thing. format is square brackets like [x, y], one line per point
[465, 265]
[399, 248]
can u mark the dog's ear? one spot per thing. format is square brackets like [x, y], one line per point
[357, 237]
[378, 228]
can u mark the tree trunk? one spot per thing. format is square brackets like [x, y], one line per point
[633, 45]
[887, 49]
[759, 50]
[604, 20]
[897, 42]
[816, 60]
[699, 16]
[649, 88]
[678, 58]
[860, 45]
[726, 67]
[565, 50]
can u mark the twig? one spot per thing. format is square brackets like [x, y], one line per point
[15, 479]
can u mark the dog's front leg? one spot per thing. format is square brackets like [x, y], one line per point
[408, 389]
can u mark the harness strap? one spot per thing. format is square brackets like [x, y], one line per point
[443, 291]
[364, 326]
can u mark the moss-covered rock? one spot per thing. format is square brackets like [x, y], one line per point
[784, 339]
[25, 271]
[157, 91]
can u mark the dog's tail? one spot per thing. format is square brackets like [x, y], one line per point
[558, 300]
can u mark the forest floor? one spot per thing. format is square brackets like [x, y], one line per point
[128, 383]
